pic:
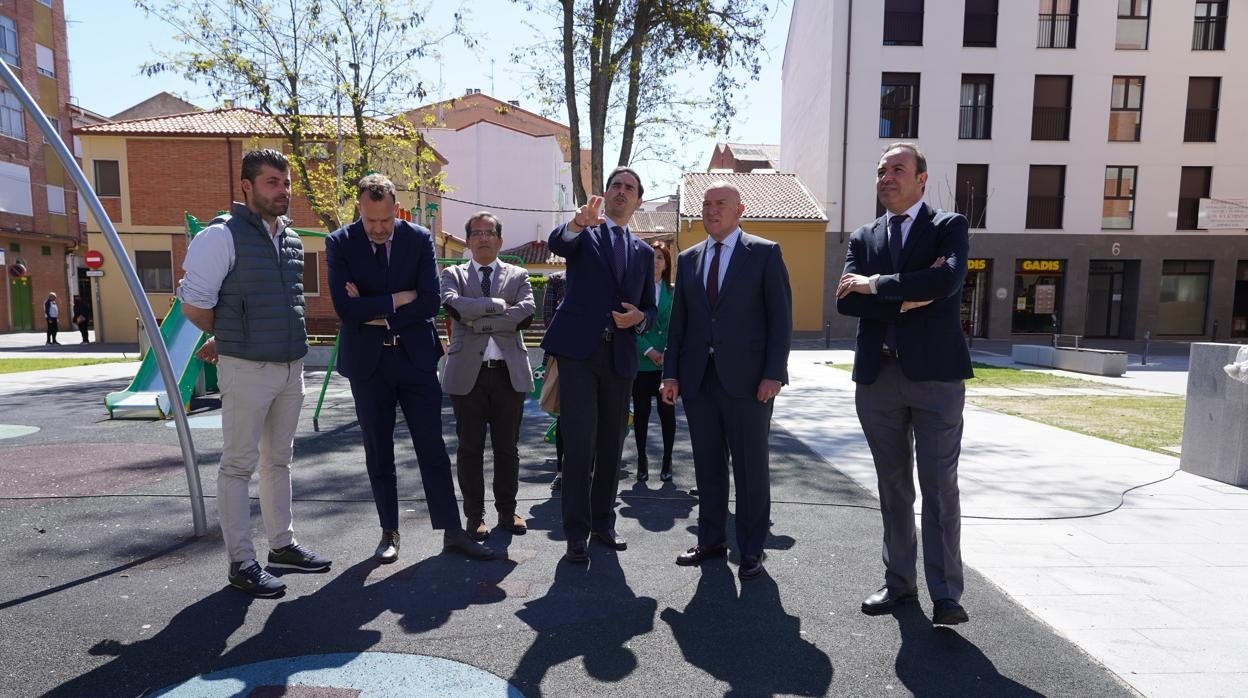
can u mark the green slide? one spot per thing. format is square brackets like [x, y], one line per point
[146, 398]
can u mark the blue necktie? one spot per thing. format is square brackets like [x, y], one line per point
[485, 281]
[894, 251]
[617, 243]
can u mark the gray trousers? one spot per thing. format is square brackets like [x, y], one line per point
[908, 422]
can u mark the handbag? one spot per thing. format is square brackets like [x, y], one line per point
[549, 400]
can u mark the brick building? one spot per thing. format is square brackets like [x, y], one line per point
[39, 227]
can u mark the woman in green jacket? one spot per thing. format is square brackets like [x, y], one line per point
[650, 347]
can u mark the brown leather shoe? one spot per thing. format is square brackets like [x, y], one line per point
[462, 542]
[512, 523]
[388, 549]
[477, 529]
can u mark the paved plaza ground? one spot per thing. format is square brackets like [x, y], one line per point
[105, 591]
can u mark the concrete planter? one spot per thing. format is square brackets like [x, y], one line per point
[1215, 422]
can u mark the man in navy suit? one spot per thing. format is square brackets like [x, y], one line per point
[384, 283]
[608, 301]
[903, 281]
[727, 358]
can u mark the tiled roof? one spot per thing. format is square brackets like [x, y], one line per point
[536, 252]
[233, 122]
[760, 152]
[644, 222]
[776, 195]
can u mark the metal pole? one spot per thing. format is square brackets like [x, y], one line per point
[35, 113]
[1148, 338]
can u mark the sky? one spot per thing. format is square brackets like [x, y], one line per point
[110, 39]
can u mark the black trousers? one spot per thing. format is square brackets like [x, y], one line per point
[593, 417]
[53, 328]
[397, 381]
[82, 327]
[494, 404]
[646, 388]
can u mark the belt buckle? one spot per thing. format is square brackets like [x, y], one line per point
[391, 341]
[888, 352]
[492, 363]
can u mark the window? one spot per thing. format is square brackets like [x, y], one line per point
[1126, 108]
[979, 25]
[8, 40]
[311, 273]
[1038, 290]
[45, 250]
[903, 22]
[1118, 207]
[56, 199]
[1184, 297]
[15, 247]
[1209, 29]
[1202, 110]
[1056, 28]
[1132, 25]
[1050, 110]
[12, 120]
[107, 178]
[975, 119]
[971, 197]
[1194, 185]
[899, 105]
[155, 269]
[1046, 188]
[45, 63]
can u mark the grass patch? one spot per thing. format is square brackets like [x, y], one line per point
[989, 376]
[20, 365]
[1151, 423]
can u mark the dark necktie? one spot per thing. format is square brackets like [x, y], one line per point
[617, 243]
[712, 276]
[485, 281]
[894, 251]
[383, 260]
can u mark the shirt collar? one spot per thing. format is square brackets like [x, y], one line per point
[477, 267]
[729, 242]
[912, 212]
[612, 224]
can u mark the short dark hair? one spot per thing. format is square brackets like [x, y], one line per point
[483, 215]
[253, 160]
[920, 160]
[641, 191]
[376, 187]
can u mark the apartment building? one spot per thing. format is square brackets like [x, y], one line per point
[40, 235]
[1096, 148]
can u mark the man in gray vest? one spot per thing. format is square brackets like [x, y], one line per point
[244, 284]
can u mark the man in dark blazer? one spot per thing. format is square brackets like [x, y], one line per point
[727, 357]
[608, 301]
[903, 281]
[384, 283]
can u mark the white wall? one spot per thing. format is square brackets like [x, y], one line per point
[496, 166]
[1166, 65]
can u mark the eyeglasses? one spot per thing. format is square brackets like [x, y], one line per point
[480, 234]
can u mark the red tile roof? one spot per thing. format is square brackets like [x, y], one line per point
[767, 196]
[234, 122]
[536, 252]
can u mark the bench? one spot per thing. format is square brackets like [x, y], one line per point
[1098, 362]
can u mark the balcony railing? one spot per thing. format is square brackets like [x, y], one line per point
[1050, 124]
[1209, 34]
[1056, 31]
[1044, 212]
[1201, 125]
[903, 28]
[975, 122]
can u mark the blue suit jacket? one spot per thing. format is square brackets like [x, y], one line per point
[349, 256]
[591, 293]
[931, 345]
[750, 326]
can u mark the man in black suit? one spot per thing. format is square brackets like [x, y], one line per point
[608, 301]
[727, 357]
[903, 281]
[384, 283]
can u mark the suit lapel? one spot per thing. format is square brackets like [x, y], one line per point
[918, 230]
[697, 260]
[740, 258]
[879, 243]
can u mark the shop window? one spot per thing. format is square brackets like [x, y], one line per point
[1184, 297]
[1038, 289]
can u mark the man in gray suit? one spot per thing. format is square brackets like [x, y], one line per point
[487, 371]
[903, 281]
[727, 356]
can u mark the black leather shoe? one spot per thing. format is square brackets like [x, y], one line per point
[610, 538]
[388, 549]
[751, 567]
[885, 600]
[948, 612]
[461, 542]
[666, 473]
[576, 552]
[643, 467]
[699, 554]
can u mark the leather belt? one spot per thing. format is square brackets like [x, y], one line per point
[391, 341]
[494, 363]
[888, 353]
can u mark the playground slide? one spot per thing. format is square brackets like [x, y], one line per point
[146, 398]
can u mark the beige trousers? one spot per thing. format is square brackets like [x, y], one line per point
[260, 403]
